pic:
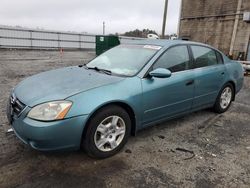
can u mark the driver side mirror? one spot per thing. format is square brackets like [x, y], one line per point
[160, 73]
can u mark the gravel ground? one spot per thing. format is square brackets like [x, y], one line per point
[220, 143]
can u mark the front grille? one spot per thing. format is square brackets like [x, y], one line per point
[16, 105]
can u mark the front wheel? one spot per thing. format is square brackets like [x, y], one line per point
[107, 132]
[224, 99]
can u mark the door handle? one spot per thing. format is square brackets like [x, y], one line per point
[189, 82]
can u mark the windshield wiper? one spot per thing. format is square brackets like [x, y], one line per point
[100, 70]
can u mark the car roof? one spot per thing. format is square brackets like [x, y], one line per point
[162, 42]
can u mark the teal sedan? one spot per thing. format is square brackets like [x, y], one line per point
[97, 106]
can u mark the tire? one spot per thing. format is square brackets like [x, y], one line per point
[105, 135]
[219, 107]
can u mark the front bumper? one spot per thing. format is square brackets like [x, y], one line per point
[50, 136]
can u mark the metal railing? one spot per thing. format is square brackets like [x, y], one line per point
[11, 37]
[26, 38]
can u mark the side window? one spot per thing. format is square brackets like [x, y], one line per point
[175, 59]
[219, 58]
[203, 56]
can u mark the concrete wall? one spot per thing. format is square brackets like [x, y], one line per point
[212, 22]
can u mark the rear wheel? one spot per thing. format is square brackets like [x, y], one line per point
[107, 132]
[224, 99]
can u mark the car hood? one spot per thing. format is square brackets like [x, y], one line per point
[60, 84]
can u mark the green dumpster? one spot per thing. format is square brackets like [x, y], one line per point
[105, 42]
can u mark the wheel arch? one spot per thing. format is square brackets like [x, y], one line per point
[234, 87]
[123, 105]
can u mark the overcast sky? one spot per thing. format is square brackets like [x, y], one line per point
[88, 15]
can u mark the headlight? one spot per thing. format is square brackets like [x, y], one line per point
[50, 111]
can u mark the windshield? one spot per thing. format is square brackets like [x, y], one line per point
[126, 60]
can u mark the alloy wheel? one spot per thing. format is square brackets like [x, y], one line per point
[110, 133]
[226, 97]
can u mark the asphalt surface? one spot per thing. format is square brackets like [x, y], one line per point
[202, 149]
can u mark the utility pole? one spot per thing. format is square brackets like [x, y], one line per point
[164, 19]
[103, 28]
[236, 22]
[179, 20]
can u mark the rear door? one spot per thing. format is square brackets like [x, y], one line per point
[209, 71]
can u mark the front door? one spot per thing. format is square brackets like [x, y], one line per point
[167, 97]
